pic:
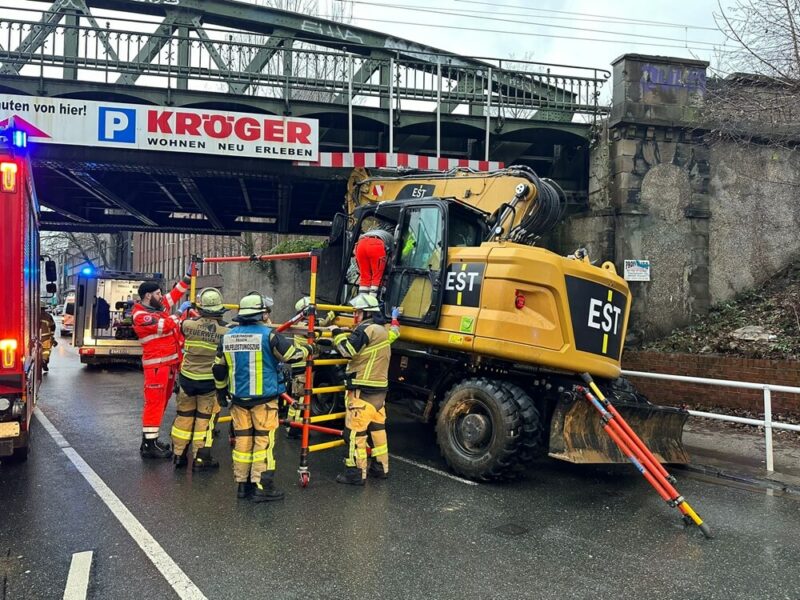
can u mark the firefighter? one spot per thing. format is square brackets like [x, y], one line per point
[160, 336]
[368, 347]
[197, 398]
[47, 331]
[247, 364]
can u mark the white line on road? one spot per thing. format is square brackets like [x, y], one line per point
[180, 582]
[432, 470]
[78, 578]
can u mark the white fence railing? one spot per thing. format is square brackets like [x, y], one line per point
[766, 388]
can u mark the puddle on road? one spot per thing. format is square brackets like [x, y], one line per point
[743, 485]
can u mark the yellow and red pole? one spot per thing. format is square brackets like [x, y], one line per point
[639, 454]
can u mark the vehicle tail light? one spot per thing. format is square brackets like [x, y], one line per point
[86, 351]
[8, 176]
[519, 300]
[8, 353]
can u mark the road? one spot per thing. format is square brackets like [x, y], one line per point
[562, 532]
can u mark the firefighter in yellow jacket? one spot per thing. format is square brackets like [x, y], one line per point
[247, 364]
[197, 399]
[368, 347]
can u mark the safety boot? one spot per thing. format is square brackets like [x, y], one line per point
[179, 461]
[350, 476]
[154, 449]
[244, 489]
[265, 490]
[375, 469]
[204, 461]
[293, 433]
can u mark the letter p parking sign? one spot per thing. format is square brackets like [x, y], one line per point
[116, 125]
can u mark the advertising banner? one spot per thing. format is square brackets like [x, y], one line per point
[163, 129]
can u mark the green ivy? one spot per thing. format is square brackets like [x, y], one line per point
[298, 245]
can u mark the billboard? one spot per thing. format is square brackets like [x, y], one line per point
[163, 129]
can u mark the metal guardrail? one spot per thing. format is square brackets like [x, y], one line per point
[766, 388]
[182, 57]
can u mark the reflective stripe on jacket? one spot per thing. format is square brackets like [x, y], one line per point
[201, 339]
[252, 367]
[159, 332]
[369, 349]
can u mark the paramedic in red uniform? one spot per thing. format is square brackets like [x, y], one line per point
[160, 335]
[371, 254]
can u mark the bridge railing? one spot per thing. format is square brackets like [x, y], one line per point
[179, 57]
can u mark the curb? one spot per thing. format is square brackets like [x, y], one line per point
[751, 480]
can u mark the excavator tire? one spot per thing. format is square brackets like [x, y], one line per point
[532, 439]
[479, 429]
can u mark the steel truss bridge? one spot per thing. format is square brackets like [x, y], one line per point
[370, 92]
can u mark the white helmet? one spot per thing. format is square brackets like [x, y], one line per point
[254, 304]
[303, 303]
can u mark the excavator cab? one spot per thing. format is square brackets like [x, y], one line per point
[414, 279]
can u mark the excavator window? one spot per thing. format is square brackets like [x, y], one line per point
[463, 230]
[414, 283]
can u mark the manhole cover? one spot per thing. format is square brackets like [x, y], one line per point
[511, 529]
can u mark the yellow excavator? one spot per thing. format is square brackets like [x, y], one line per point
[495, 330]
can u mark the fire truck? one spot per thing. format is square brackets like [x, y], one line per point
[20, 361]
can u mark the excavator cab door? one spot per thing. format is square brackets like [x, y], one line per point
[416, 275]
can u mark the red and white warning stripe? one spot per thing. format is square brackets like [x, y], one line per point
[384, 159]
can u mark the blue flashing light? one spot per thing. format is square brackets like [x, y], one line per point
[87, 271]
[19, 139]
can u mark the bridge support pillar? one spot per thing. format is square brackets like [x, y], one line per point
[658, 182]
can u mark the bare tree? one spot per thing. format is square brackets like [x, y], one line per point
[758, 98]
[100, 250]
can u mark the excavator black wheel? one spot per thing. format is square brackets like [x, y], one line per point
[479, 429]
[532, 439]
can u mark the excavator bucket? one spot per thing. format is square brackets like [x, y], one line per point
[577, 434]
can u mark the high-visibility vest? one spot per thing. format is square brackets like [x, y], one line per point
[201, 339]
[252, 367]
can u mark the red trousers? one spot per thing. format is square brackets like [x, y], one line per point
[159, 382]
[371, 259]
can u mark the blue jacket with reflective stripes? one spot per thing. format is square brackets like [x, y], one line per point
[253, 373]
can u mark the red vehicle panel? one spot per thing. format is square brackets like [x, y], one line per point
[19, 321]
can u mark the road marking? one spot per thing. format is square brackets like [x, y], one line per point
[180, 582]
[432, 470]
[78, 578]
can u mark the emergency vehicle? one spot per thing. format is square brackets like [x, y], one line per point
[103, 315]
[20, 362]
[68, 314]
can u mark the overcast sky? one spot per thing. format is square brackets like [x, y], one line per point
[551, 31]
[585, 33]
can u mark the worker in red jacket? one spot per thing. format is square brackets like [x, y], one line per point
[160, 335]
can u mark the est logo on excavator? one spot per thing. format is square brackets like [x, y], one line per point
[597, 313]
[462, 284]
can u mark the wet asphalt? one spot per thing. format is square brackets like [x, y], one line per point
[562, 532]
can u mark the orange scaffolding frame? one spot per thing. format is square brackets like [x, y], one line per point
[309, 423]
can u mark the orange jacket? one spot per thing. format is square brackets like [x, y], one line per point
[158, 331]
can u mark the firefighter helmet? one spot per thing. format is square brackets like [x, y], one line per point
[365, 302]
[303, 303]
[253, 305]
[211, 301]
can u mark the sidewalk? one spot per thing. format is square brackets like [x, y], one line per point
[737, 453]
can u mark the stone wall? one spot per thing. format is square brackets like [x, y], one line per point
[714, 219]
[755, 215]
[675, 393]
[285, 281]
